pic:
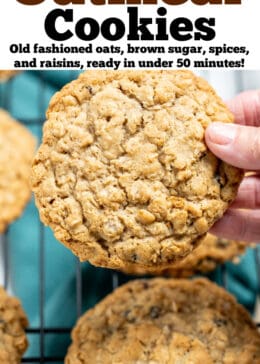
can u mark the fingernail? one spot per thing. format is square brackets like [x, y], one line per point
[221, 134]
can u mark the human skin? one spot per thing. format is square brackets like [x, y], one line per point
[239, 145]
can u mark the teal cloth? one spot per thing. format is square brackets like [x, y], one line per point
[27, 97]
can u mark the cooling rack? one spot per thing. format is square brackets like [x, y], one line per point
[42, 331]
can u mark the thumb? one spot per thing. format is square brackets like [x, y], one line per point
[237, 145]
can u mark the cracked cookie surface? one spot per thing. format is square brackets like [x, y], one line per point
[17, 146]
[123, 175]
[166, 321]
[205, 258]
[13, 322]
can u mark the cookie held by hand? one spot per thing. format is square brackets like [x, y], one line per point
[123, 175]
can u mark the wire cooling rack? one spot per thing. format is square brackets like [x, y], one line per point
[42, 331]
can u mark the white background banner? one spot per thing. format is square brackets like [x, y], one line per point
[233, 41]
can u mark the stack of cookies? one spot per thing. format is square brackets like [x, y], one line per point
[125, 180]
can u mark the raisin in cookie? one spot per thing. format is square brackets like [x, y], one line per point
[17, 147]
[123, 175]
[13, 322]
[166, 321]
[205, 258]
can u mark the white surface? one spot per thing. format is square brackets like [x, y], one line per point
[236, 25]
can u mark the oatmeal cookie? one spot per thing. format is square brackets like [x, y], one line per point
[205, 258]
[5, 75]
[13, 322]
[166, 321]
[123, 175]
[17, 147]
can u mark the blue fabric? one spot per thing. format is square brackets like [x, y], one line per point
[27, 97]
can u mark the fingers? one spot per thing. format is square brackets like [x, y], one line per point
[235, 144]
[248, 196]
[239, 144]
[246, 108]
[239, 225]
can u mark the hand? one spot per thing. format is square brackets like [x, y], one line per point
[239, 145]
